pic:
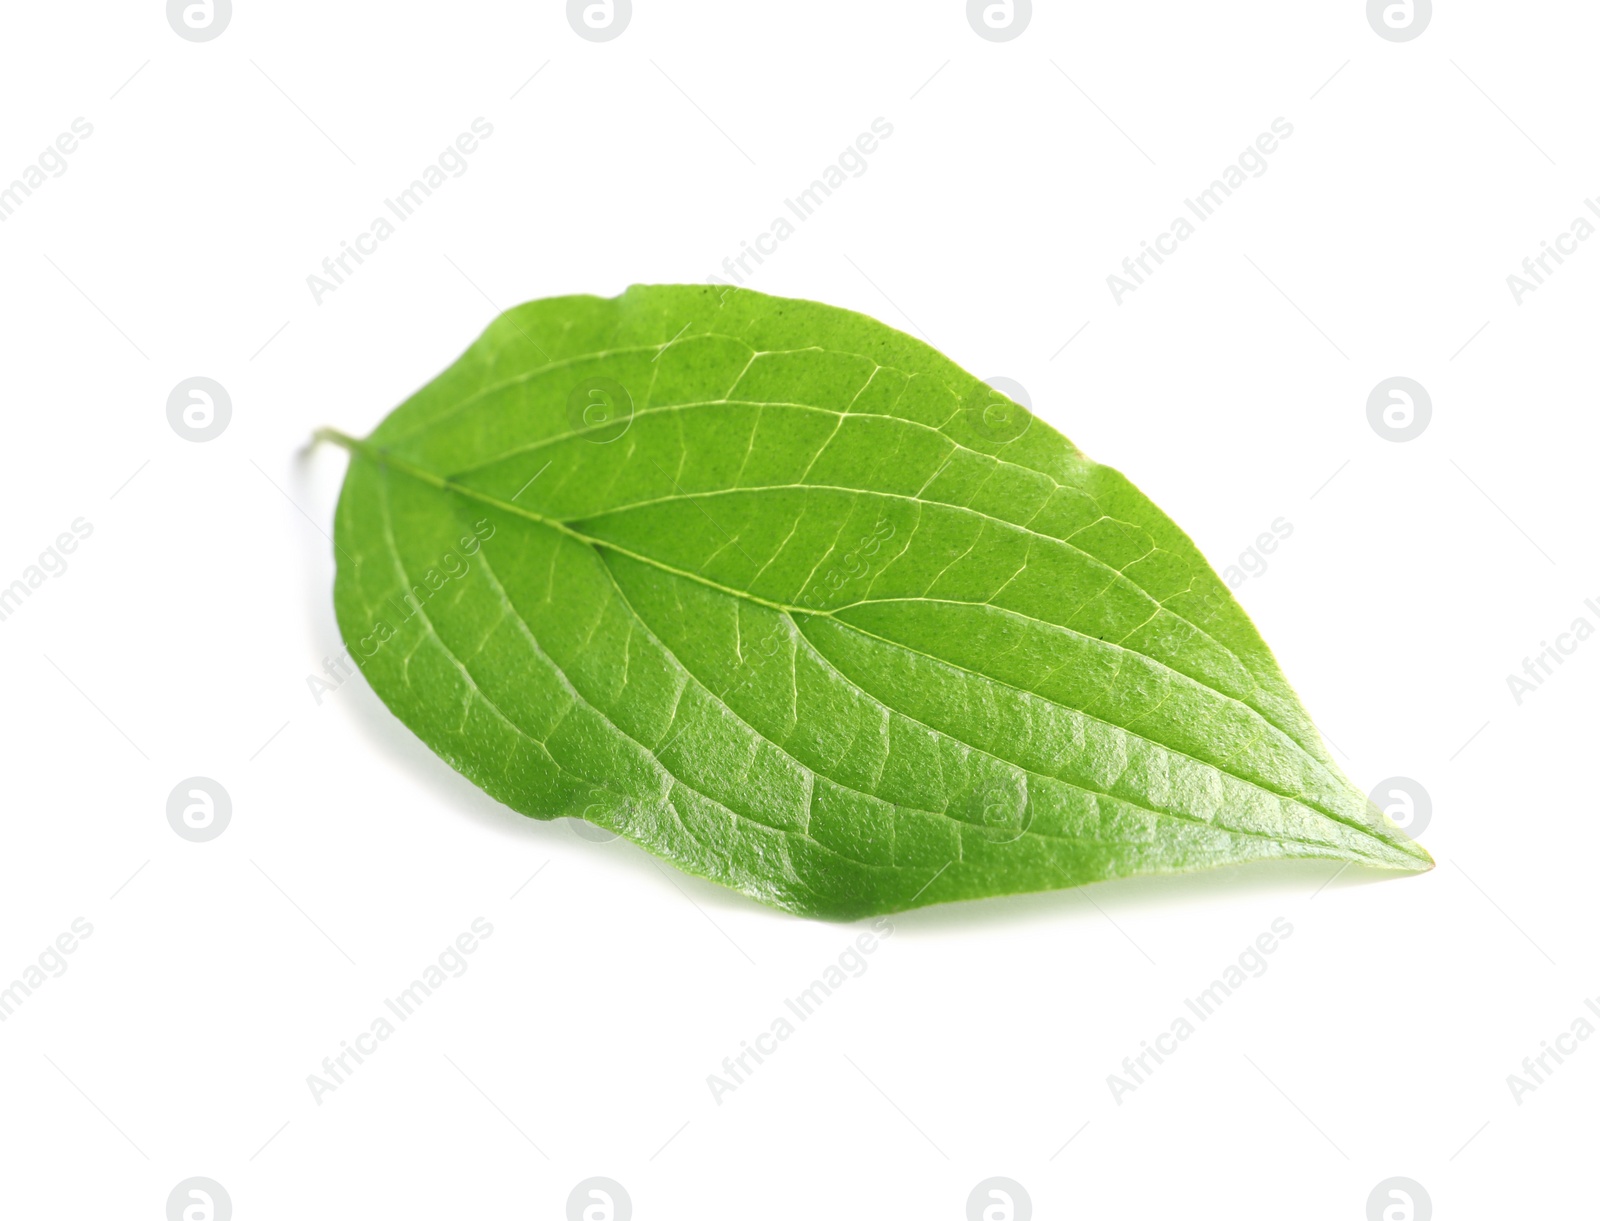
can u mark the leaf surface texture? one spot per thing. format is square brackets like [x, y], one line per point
[790, 599]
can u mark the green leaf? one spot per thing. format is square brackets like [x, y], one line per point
[786, 597]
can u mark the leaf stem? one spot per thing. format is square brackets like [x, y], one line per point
[343, 440]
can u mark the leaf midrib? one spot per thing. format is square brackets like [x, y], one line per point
[1118, 574]
[382, 458]
[579, 698]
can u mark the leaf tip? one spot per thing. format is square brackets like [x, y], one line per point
[1414, 857]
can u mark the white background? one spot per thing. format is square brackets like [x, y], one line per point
[1232, 388]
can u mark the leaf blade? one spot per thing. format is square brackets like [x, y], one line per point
[818, 615]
